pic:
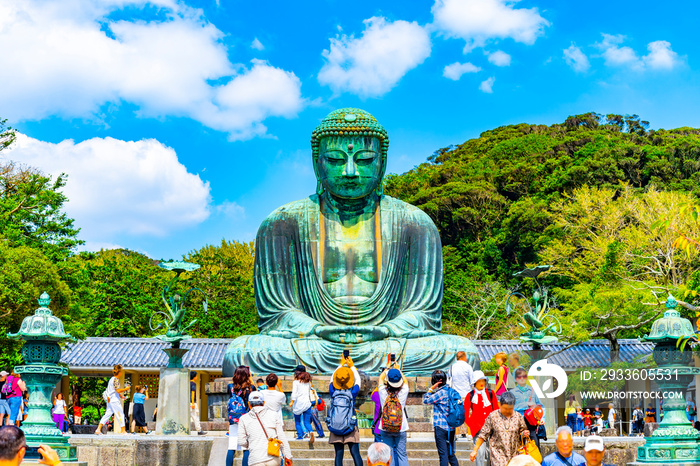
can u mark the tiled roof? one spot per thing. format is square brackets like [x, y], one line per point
[209, 353]
[204, 353]
[594, 353]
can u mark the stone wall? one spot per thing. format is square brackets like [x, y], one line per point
[118, 450]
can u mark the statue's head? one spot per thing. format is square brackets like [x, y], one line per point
[349, 152]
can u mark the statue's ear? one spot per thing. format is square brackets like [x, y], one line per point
[319, 185]
[379, 190]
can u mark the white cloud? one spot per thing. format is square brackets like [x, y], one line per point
[487, 86]
[257, 45]
[660, 55]
[456, 70]
[499, 58]
[576, 59]
[70, 58]
[114, 186]
[616, 55]
[231, 209]
[477, 21]
[373, 64]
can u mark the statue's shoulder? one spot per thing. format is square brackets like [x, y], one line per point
[294, 211]
[407, 210]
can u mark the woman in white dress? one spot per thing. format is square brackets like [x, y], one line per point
[113, 396]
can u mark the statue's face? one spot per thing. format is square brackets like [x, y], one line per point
[349, 167]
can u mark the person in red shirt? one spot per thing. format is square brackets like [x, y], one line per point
[587, 419]
[478, 404]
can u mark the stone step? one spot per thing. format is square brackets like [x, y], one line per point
[411, 444]
[347, 461]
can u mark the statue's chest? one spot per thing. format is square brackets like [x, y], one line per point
[349, 268]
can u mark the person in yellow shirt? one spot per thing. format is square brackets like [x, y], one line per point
[570, 412]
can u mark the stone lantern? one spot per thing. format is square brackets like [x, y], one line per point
[676, 440]
[41, 333]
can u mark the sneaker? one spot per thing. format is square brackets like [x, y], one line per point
[201, 432]
[150, 432]
[306, 435]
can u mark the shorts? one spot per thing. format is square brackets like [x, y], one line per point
[4, 407]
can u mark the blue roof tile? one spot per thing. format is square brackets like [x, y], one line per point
[209, 353]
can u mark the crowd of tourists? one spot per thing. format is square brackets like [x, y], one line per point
[504, 426]
[504, 423]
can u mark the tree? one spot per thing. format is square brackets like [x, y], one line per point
[115, 291]
[613, 267]
[31, 210]
[26, 273]
[226, 276]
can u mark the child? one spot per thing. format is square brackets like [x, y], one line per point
[260, 383]
[598, 426]
[587, 419]
[579, 421]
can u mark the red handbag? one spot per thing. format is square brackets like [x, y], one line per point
[534, 414]
[321, 405]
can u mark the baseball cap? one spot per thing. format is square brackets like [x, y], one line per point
[594, 442]
[395, 378]
[3, 374]
[255, 397]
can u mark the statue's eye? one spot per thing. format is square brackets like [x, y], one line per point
[334, 158]
[365, 161]
[365, 158]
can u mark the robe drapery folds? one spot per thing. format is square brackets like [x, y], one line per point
[292, 300]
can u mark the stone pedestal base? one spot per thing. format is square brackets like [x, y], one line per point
[669, 451]
[173, 402]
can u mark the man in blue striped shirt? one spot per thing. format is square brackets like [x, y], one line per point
[444, 434]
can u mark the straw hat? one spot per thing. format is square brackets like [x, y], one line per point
[343, 378]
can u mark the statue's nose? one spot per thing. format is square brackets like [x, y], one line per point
[350, 168]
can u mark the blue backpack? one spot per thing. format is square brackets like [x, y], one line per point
[341, 419]
[236, 408]
[455, 408]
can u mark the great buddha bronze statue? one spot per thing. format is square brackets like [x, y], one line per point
[348, 268]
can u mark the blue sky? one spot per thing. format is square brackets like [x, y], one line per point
[183, 123]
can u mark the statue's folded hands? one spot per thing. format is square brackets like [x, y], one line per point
[352, 333]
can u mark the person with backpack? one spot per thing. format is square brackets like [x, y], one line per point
[638, 421]
[478, 404]
[4, 407]
[13, 388]
[443, 400]
[461, 378]
[393, 422]
[240, 389]
[113, 396]
[341, 420]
